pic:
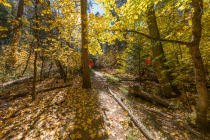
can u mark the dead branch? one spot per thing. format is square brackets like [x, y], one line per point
[12, 97]
[139, 125]
[15, 82]
[20, 81]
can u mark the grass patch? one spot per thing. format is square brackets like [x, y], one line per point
[124, 89]
[111, 78]
[130, 137]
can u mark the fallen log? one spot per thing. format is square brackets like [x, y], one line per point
[139, 125]
[12, 97]
[20, 81]
[135, 90]
[127, 80]
[137, 80]
[15, 82]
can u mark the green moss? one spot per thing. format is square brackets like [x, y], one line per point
[111, 78]
[130, 137]
[124, 89]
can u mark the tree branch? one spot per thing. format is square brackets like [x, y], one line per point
[152, 38]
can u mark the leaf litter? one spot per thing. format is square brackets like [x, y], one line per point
[68, 113]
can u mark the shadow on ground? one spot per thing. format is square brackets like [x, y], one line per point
[70, 113]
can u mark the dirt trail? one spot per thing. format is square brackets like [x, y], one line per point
[115, 116]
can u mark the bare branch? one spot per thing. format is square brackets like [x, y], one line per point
[149, 37]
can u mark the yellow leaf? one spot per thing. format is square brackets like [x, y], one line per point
[125, 112]
[136, 17]
[108, 132]
[11, 109]
[7, 4]
[90, 131]
[186, 135]
[93, 135]
[28, 3]
[173, 133]
[3, 28]
[72, 136]
[89, 121]
[78, 135]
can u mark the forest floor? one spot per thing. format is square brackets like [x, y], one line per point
[67, 113]
[165, 123]
[76, 113]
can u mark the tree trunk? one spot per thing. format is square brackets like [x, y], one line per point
[42, 67]
[139, 63]
[51, 64]
[84, 55]
[139, 69]
[200, 76]
[176, 55]
[158, 53]
[33, 93]
[61, 70]
[11, 60]
[29, 56]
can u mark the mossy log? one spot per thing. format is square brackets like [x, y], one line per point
[135, 90]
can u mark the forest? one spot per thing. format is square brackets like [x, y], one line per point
[104, 69]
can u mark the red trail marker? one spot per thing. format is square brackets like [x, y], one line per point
[91, 63]
[147, 61]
